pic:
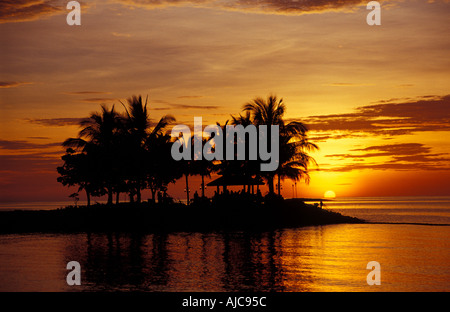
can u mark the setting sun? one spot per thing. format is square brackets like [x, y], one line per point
[329, 194]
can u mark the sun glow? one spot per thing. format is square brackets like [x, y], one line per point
[329, 194]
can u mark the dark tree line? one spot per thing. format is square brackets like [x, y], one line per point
[126, 152]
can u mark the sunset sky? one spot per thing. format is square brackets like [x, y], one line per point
[376, 98]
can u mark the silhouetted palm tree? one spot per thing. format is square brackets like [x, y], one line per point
[99, 137]
[294, 158]
[266, 112]
[162, 169]
[143, 142]
[137, 125]
[79, 170]
[247, 168]
[294, 145]
[202, 167]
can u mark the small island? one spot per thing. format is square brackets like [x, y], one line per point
[126, 153]
[147, 217]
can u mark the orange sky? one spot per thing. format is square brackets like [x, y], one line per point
[376, 98]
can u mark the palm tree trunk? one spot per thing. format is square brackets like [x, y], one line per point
[203, 185]
[138, 194]
[110, 195]
[153, 190]
[88, 198]
[187, 189]
[279, 184]
[270, 184]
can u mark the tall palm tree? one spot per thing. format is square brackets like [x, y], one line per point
[294, 145]
[142, 137]
[161, 169]
[266, 112]
[137, 125]
[249, 168]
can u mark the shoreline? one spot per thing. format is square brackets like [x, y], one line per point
[147, 217]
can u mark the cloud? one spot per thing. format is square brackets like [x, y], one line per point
[12, 84]
[55, 122]
[38, 137]
[98, 100]
[389, 117]
[183, 106]
[389, 166]
[386, 150]
[402, 156]
[285, 7]
[26, 10]
[21, 145]
[325, 137]
[346, 84]
[160, 108]
[403, 148]
[190, 97]
[86, 92]
[29, 162]
[12, 11]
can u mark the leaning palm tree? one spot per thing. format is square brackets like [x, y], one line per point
[294, 159]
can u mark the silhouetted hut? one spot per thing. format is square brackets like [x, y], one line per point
[236, 180]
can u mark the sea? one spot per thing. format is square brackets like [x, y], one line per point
[407, 237]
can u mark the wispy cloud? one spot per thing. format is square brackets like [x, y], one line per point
[287, 7]
[12, 84]
[86, 92]
[386, 150]
[29, 162]
[55, 122]
[389, 117]
[98, 100]
[190, 97]
[347, 84]
[25, 10]
[24, 145]
[402, 156]
[12, 11]
[183, 106]
[38, 137]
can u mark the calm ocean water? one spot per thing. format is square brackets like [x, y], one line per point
[413, 257]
